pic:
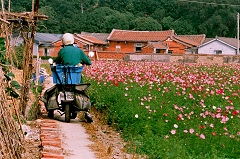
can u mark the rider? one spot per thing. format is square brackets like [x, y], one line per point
[70, 55]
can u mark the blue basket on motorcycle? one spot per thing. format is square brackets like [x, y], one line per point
[66, 74]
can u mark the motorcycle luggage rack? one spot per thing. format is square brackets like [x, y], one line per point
[60, 112]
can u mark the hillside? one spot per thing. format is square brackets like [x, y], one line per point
[210, 17]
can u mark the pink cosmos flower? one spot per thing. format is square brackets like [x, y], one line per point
[173, 132]
[238, 133]
[191, 131]
[191, 96]
[224, 119]
[175, 126]
[232, 136]
[211, 125]
[185, 131]
[202, 136]
[218, 115]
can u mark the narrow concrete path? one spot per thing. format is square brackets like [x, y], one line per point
[75, 140]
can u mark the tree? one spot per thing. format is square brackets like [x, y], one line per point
[118, 21]
[214, 27]
[145, 23]
[95, 20]
[167, 23]
[182, 26]
[52, 25]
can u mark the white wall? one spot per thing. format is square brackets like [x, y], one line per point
[35, 49]
[216, 45]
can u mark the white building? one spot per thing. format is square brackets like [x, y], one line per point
[219, 46]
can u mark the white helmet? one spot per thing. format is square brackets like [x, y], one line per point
[67, 39]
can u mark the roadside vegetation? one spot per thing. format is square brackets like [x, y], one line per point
[166, 110]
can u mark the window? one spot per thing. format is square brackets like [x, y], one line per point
[118, 48]
[218, 52]
[157, 51]
[85, 47]
[138, 47]
[46, 51]
[170, 51]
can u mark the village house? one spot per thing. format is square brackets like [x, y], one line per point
[43, 43]
[120, 43]
[123, 42]
[86, 41]
[219, 46]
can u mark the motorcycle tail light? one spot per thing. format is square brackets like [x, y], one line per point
[67, 87]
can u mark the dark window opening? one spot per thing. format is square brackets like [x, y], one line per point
[218, 52]
[46, 51]
[157, 51]
[138, 49]
[170, 52]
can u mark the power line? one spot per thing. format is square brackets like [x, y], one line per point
[212, 3]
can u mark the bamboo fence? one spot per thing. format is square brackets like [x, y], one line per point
[11, 135]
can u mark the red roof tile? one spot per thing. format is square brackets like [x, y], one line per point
[194, 40]
[100, 36]
[157, 45]
[91, 39]
[139, 36]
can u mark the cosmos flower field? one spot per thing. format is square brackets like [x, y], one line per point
[169, 110]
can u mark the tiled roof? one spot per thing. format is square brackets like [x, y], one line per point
[139, 36]
[229, 41]
[194, 40]
[100, 36]
[91, 39]
[157, 45]
[43, 38]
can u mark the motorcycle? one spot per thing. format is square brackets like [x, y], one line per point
[68, 95]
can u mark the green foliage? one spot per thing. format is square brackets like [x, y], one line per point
[118, 21]
[13, 85]
[146, 114]
[145, 23]
[34, 112]
[98, 15]
[17, 60]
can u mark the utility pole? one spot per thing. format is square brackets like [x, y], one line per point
[237, 33]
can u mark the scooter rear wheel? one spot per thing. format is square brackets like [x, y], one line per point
[51, 114]
[73, 115]
[67, 113]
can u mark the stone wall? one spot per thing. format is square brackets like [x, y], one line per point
[193, 58]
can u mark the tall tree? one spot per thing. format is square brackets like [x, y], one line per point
[118, 21]
[145, 23]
